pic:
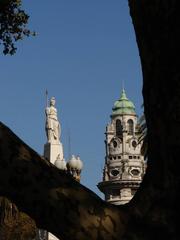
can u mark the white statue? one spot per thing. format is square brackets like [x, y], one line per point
[53, 128]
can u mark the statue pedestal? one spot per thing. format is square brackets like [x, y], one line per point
[53, 151]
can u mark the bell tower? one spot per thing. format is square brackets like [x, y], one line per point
[124, 165]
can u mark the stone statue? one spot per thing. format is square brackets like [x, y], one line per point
[53, 128]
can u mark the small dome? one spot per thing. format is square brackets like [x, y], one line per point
[79, 163]
[61, 164]
[75, 163]
[123, 106]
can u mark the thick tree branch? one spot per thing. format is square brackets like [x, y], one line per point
[54, 199]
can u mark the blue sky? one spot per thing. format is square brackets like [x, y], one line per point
[83, 52]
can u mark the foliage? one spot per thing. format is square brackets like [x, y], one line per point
[13, 21]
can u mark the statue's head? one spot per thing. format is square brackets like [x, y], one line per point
[52, 101]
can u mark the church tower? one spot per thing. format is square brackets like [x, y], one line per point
[124, 165]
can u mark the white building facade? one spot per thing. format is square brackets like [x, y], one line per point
[124, 164]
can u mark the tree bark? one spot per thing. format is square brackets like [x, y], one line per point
[157, 28]
[53, 198]
[71, 211]
[14, 224]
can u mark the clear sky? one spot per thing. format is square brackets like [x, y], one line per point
[83, 52]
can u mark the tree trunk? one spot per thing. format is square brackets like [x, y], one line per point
[157, 26]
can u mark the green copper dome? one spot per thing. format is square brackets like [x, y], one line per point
[123, 106]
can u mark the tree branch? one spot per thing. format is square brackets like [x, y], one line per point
[53, 198]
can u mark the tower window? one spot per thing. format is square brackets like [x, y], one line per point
[115, 144]
[134, 144]
[115, 172]
[130, 157]
[118, 128]
[130, 124]
[135, 172]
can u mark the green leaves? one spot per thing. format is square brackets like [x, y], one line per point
[13, 21]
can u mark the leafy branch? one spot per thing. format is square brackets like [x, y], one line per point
[13, 25]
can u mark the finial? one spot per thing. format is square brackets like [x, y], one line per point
[123, 85]
[46, 98]
[123, 94]
[69, 143]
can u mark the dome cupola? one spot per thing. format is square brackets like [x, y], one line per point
[60, 163]
[123, 106]
[75, 163]
[74, 167]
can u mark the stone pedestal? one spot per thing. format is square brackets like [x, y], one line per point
[52, 152]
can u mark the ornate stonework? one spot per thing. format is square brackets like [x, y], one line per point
[124, 165]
